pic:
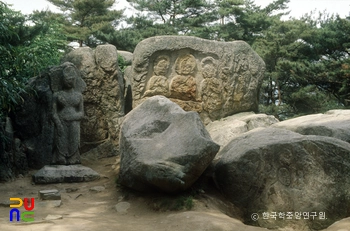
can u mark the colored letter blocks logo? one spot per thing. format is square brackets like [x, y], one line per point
[27, 215]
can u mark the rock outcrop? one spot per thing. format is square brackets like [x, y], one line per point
[271, 171]
[32, 121]
[103, 105]
[334, 123]
[104, 95]
[224, 130]
[216, 79]
[163, 147]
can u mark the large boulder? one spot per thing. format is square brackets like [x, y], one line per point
[104, 95]
[162, 147]
[224, 130]
[216, 79]
[13, 160]
[334, 123]
[32, 121]
[271, 171]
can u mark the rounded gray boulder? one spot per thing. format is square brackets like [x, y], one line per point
[163, 147]
[272, 171]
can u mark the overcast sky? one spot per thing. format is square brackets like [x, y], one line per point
[297, 7]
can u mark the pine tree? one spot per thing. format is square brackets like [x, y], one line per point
[307, 65]
[185, 17]
[84, 18]
[244, 20]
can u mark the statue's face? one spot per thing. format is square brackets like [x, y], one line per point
[187, 66]
[69, 76]
[162, 67]
[209, 71]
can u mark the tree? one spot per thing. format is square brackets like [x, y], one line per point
[243, 20]
[84, 18]
[307, 64]
[140, 28]
[169, 17]
[27, 46]
[331, 66]
[183, 17]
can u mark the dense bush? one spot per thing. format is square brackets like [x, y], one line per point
[28, 44]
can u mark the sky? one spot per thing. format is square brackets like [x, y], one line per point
[297, 7]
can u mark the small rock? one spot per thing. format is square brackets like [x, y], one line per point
[64, 173]
[51, 194]
[97, 189]
[53, 217]
[122, 207]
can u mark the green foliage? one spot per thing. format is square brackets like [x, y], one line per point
[83, 19]
[10, 86]
[310, 99]
[243, 20]
[307, 65]
[182, 15]
[124, 39]
[28, 44]
[169, 17]
[121, 63]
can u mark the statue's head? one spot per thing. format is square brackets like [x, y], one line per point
[69, 76]
[66, 76]
[185, 64]
[209, 68]
[161, 65]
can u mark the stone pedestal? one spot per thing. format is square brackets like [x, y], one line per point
[64, 174]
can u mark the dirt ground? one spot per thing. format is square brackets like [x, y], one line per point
[85, 209]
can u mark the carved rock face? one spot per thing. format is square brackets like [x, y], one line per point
[163, 147]
[161, 65]
[216, 79]
[68, 110]
[275, 170]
